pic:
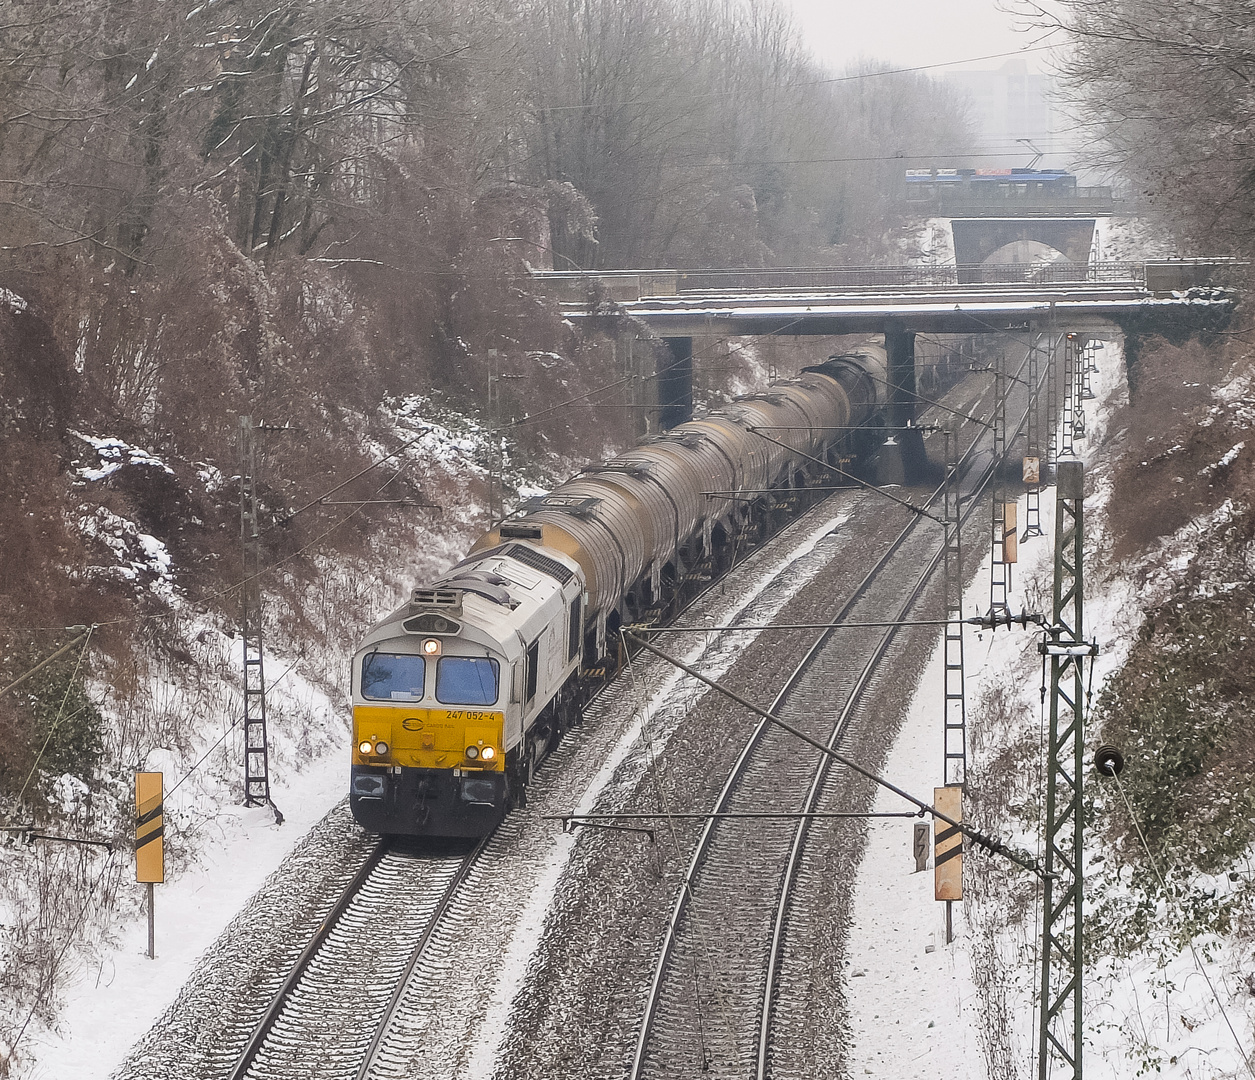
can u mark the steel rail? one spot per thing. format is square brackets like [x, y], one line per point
[853, 700]
[684, 894]
[265, 1027]
[775, 954]
[262, 1031]
[381, 1028]
[377, 1041]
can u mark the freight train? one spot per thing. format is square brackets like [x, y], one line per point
[459, 693]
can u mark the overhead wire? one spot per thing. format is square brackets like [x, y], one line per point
[670, 818]
[831, 80]
[858, 480]
[356, 476]
[863, 159]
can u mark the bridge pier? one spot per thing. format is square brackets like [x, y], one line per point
[900, 349]
[675, 383]
[901, 459]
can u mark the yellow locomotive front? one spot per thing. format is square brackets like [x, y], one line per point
[429, 729]
[452, 693]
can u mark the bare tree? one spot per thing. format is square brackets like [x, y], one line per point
[1168, 92]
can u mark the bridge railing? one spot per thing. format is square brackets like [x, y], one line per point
[636, 284]
[1160, 277]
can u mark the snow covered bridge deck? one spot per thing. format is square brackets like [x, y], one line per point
[930, 299]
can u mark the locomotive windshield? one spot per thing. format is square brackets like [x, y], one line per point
[393, 677]
[467, 680]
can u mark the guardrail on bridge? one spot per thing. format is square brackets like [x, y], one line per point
[1158, 276]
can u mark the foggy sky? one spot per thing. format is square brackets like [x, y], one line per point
[911, 32]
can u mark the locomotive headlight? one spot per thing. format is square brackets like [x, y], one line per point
[381, 747]
[431, 647]
[488, 753]
[364, 746]
[472, 752]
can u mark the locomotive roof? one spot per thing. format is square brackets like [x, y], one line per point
[521, 591]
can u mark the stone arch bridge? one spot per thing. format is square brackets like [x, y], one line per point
[978, 241]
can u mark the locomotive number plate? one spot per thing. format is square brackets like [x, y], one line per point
[467, 716]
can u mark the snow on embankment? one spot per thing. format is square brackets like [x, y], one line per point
[1179, 1002]
[179, 713]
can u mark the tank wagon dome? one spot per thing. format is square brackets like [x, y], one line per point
[653, 510]
[678, 471]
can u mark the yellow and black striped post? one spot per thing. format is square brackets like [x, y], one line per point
[150, 862]
[1010, 538]
[948, 851]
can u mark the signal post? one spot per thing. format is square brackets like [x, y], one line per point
[150, 862]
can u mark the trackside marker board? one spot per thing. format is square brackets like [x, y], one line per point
[150, 863]
[948, 844]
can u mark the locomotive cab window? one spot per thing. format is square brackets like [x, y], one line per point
[467, 680]
[393, 676]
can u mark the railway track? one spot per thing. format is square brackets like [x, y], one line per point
[325, 1018]
[712, 1005]
[423, 1026]
[356, 1002]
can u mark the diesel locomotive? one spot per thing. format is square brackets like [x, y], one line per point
[460, 692]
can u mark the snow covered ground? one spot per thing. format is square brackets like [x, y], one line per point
[112, 1001]
[219, 853]
[915, 1005]
[914, 999]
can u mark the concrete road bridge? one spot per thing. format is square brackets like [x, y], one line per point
[1097, 300]
[850, 300]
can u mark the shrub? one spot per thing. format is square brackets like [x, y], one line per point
[50, 726]
[1179, 709]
